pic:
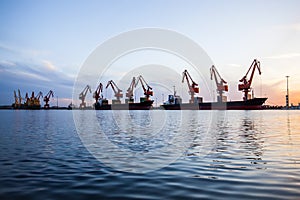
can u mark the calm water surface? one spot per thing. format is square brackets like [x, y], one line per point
[169, 154]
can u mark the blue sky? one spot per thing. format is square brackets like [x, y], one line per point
[44, 43]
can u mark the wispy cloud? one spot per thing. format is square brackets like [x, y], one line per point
[49, 65]
[7, 63]
[24, 52]
[284, 56]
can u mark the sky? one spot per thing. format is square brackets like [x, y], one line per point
[43, 44]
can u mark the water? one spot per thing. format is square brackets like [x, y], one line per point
[162, 154]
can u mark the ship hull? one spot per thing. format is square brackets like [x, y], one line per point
[146, 105]
[26, 107]
[252, 104]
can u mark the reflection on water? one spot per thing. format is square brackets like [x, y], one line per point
[150, 154]
[140, 141]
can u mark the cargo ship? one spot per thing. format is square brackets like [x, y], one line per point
[143, 105]
[102, 103]
[31, 103]
[174, 103]
[196, 103]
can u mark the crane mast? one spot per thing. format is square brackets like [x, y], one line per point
[47, 99]
[98, 92]
[129, 93]
[83, 94]
[20, 97]
[117, 91]
[17, 103]
[245, 85]
[147, 92]
[220, 82]
[193, 88]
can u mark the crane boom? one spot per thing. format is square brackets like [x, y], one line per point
[193, 88]
[245, 86]
[83, 94]
[147, 92]
[220, 82]
[39, 95]
[117, 91]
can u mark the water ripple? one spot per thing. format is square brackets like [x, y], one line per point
[246, 155]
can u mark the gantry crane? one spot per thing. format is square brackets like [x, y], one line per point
[18, 99]
[193, 88]
[129, 93]
[47, 99]
[147, 92]
[98, 93]
[117, 91]
[220, 82]
[33, 101]
[245, 86]
[83, 94]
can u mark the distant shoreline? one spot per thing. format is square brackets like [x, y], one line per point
[9, 107]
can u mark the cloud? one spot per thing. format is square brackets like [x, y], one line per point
[284, 56]
[24, 52]
[49, 65]
[7, 63]
[35, 76]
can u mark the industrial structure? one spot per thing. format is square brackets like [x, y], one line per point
[47, 99]
[129, 93]
[193, 86]
[144, 104]
[195, 103]
[221, 84]
[117, 91]
[147, 92]
[82, 96]
[98, 93]
[174, 101]
[245, 86]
